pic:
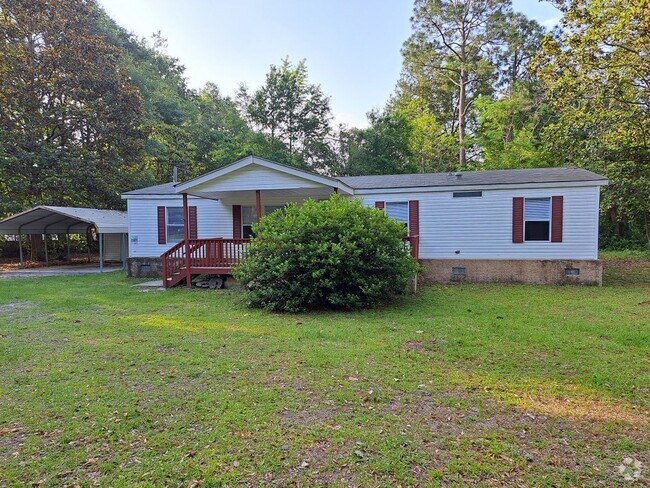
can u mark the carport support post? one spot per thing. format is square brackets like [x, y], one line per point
[47, 261]
[100, 237]
[67, 239]
[20, 250]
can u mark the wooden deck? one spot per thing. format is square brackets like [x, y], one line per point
[205, 256]
[218, 256]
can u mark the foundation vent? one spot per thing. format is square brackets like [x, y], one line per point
[458, 274]
[572, 272]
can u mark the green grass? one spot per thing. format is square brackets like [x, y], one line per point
[489, 385]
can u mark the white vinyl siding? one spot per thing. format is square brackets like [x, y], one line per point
[481, 228]
[214, 219]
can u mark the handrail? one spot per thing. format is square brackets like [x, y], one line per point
[413, 244]
[215, 253]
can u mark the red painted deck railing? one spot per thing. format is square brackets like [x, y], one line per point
[219, 256]
[216, 255]
[413, 243]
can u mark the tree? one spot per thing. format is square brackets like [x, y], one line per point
[447, 59]
[290, 109]
[69, 116]
[596, 73]
[510, 128]
[382, 148]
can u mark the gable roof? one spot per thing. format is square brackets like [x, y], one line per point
[417, 180]
[254, 160]
[469, 178]
[164, 189]
[62, 220]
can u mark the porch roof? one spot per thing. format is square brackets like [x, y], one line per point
[254, 173]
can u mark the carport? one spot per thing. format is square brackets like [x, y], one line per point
[111, 227]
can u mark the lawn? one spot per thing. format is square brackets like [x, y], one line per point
[491, 385]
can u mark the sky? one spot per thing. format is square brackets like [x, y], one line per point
[351, 47]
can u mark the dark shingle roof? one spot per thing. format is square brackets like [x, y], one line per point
[466, 178]
[164, 189]
[496, 177]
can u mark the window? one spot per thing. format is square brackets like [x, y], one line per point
[248, 218]
[398, 211]
[537, 219]
[175, 230]
[467, 194]
[272, 208]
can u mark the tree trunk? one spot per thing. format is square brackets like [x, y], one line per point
[462, 81]
[613, 217]
[461, 118]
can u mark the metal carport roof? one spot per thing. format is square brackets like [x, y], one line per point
[47, 219]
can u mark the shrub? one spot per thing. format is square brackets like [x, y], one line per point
[330, 254]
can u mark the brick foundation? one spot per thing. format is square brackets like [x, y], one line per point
[551, 272]
[144, 267]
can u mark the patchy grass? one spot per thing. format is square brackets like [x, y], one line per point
[490, 385]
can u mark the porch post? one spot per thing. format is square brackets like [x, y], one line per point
[186, 234]
[258, 204]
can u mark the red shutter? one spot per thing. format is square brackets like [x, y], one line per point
[162, 227]
[236, 221]
[414, 217]
[557, 217]
[518, 219]
[379, 204]
[194, 234]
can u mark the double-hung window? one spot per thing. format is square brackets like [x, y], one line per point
[398, 211]
[175, 228]
[537, 219]
[248, 218]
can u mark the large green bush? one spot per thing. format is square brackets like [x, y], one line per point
[330, 254]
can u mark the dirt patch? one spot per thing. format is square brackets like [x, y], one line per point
[12, 438]
[311, 416]
[425, 347]
[13, 309]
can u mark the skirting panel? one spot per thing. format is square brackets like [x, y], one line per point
[552, 272]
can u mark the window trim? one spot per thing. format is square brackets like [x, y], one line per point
[550, 217]
[167, 225]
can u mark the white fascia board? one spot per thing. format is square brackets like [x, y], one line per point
[323, 180]
[178, 196]
[524, 186]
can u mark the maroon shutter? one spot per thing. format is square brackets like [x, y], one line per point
[518, 219]
[379, 204]
[414, 217]
[236, 221]
[194, 234]
[162, 227]
[557, 217]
